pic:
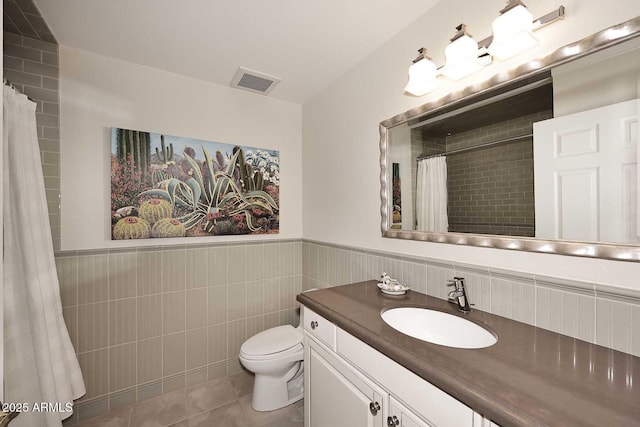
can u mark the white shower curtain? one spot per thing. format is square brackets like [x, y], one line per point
[40, 363]
[431, 195]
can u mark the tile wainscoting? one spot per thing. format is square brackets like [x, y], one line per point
[145, 322]
[599, 314]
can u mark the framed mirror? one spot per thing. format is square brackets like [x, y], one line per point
[543, 158]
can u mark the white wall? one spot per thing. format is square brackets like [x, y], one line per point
[98, 93]
[341, 193]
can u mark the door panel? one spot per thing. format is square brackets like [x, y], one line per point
[586, 177]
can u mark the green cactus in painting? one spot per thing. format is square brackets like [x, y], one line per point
[167, 152]
[168, 227]
[153, 210]
[136, 145]
[258, 181]
[245, 170]
[131, 227]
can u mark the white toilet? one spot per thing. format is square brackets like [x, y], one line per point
[275, 356]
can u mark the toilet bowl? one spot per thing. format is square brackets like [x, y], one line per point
[275, 357]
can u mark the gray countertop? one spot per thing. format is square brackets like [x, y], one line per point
[530, 377]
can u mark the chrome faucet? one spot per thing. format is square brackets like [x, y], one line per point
[459, 294]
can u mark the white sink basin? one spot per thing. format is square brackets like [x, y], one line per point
[438, 328]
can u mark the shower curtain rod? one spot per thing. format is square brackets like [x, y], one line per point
[12, 86]
[475, 147]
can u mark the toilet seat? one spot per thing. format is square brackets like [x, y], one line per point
[272, 343]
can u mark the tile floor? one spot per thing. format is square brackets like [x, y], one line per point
[224, 402]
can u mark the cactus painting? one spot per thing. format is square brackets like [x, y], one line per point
[164, 186]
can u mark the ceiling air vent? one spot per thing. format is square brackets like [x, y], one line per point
[254, 81]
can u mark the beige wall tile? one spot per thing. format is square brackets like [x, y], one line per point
[287, 259]
[621, 326]
[149, 272]
[149, 360]
[217, 370]
[271, 260]
[542, 307]
[149, 314]
[196, 315]
[197, 268]
[123, 270]
[236, 264]
[287, 296]
[586, 318]
[93, 278]
[254, 325]
[414, 274]
[254, 298]
[297, 253]
[173, 269]
[604, 322]
[122, 399]
[237, 301]
[254, 261]
[148, 391]
[196, 377]
[635, 329]
[217, 343]
[70, 315]
[289, 317]
[360, 272]
[93, 409]
[437, 278]
[173, 312]
[237, 335]
[122, 366]
[93, 326]
[218, 308]
[95, 370]
[196, 348]
[174, 383]
[68, 278]
[173, 354]
[218, 260]
[271, 291]
[271, 319]
[122, 321]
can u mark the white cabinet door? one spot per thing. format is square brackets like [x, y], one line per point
[586, 175]
[401, 416]
[338, 396]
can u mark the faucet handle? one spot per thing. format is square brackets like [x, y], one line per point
[452, 282]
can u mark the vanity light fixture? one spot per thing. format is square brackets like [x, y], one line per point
[422, 75]
[512, 34]
[463, 56]
[513, 29]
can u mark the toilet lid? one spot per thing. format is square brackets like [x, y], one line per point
[271, 341]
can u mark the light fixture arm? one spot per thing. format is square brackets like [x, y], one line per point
[543, 21]
[423, 55]
[462, 31]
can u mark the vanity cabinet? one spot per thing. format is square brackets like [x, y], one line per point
[350, 384]
[339, 395]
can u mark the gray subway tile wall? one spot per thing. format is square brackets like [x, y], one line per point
[32, 67]
[151, 320]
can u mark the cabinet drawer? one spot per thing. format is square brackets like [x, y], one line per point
[319, 327]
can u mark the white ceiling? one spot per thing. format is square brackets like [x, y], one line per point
[306, 43]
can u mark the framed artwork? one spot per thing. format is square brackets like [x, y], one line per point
[167, 186]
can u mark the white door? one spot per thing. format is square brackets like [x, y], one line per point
[401, 416]
[586, 177]
[338, 397]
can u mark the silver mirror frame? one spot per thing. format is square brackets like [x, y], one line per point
[594, 43]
